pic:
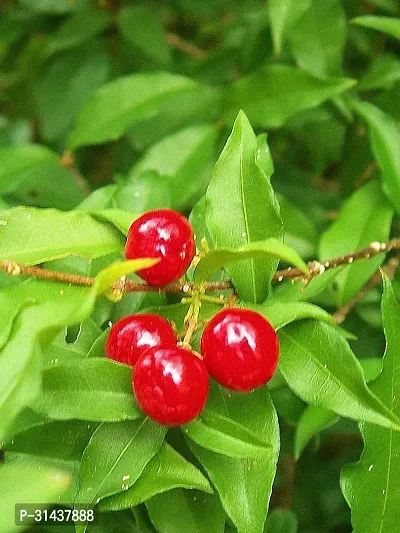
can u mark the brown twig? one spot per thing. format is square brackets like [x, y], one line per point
[315, 267]
[389, 269]
[67, 160]
[188, 48]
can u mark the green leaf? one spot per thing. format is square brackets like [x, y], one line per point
[80, 75]
[247, 505]
[370, 486]
[32, 172]
[319, 366]
[223, 435]
[120, 218]
[385, 138]
[31, 235]
[184, 157]
[142, 26]
[389, 25]
[318, 37]
[282, 313]
[252, 215]
[274, 93]
[283, 14]
[364, 218]
[116, 456]
[110, 112]
[383, 72]
[88, 389]
[77, 29]
[281, 521]
[186, 510]
[41, 486]
[219, 258]
[315, 419]
[166, 471]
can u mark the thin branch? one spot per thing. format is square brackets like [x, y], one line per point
[188, 48]
[315, 267]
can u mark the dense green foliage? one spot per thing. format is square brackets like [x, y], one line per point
[274, 126]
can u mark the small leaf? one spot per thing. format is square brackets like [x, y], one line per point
[184, 157]
[41, 486]
[33, 236]
[253, 214]
[364, 218]
[385, 138]
[166, 471]
[283, 14]
[319, 366]
[389, 25]
[274, 93]
[370, 486]
[383, 72]
[218, 258]
[88, 389]
[116, 456]
[110, 112]
[223, 435]
[316, 45]
[142, 26]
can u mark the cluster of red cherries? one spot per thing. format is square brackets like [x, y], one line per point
[239, 348]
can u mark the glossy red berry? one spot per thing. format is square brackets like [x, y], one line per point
[164, 234]
[170, 384]
[131, 336]
[240, 349]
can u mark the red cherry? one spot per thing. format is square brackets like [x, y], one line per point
[170, 384]
[131, 336]
[240, 349]
[165, 234]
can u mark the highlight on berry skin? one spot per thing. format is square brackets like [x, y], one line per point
[132, 335]
[163, 234]
[240, 349]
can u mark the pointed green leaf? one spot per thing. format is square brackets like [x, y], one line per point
[371, 486]
[319, 366]
[385, 138]
[283, 14]
[389, 25]
[241, 208]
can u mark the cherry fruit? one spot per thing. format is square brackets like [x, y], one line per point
[240, 349]
[131, 336]
[163, 234]
[170, 384]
